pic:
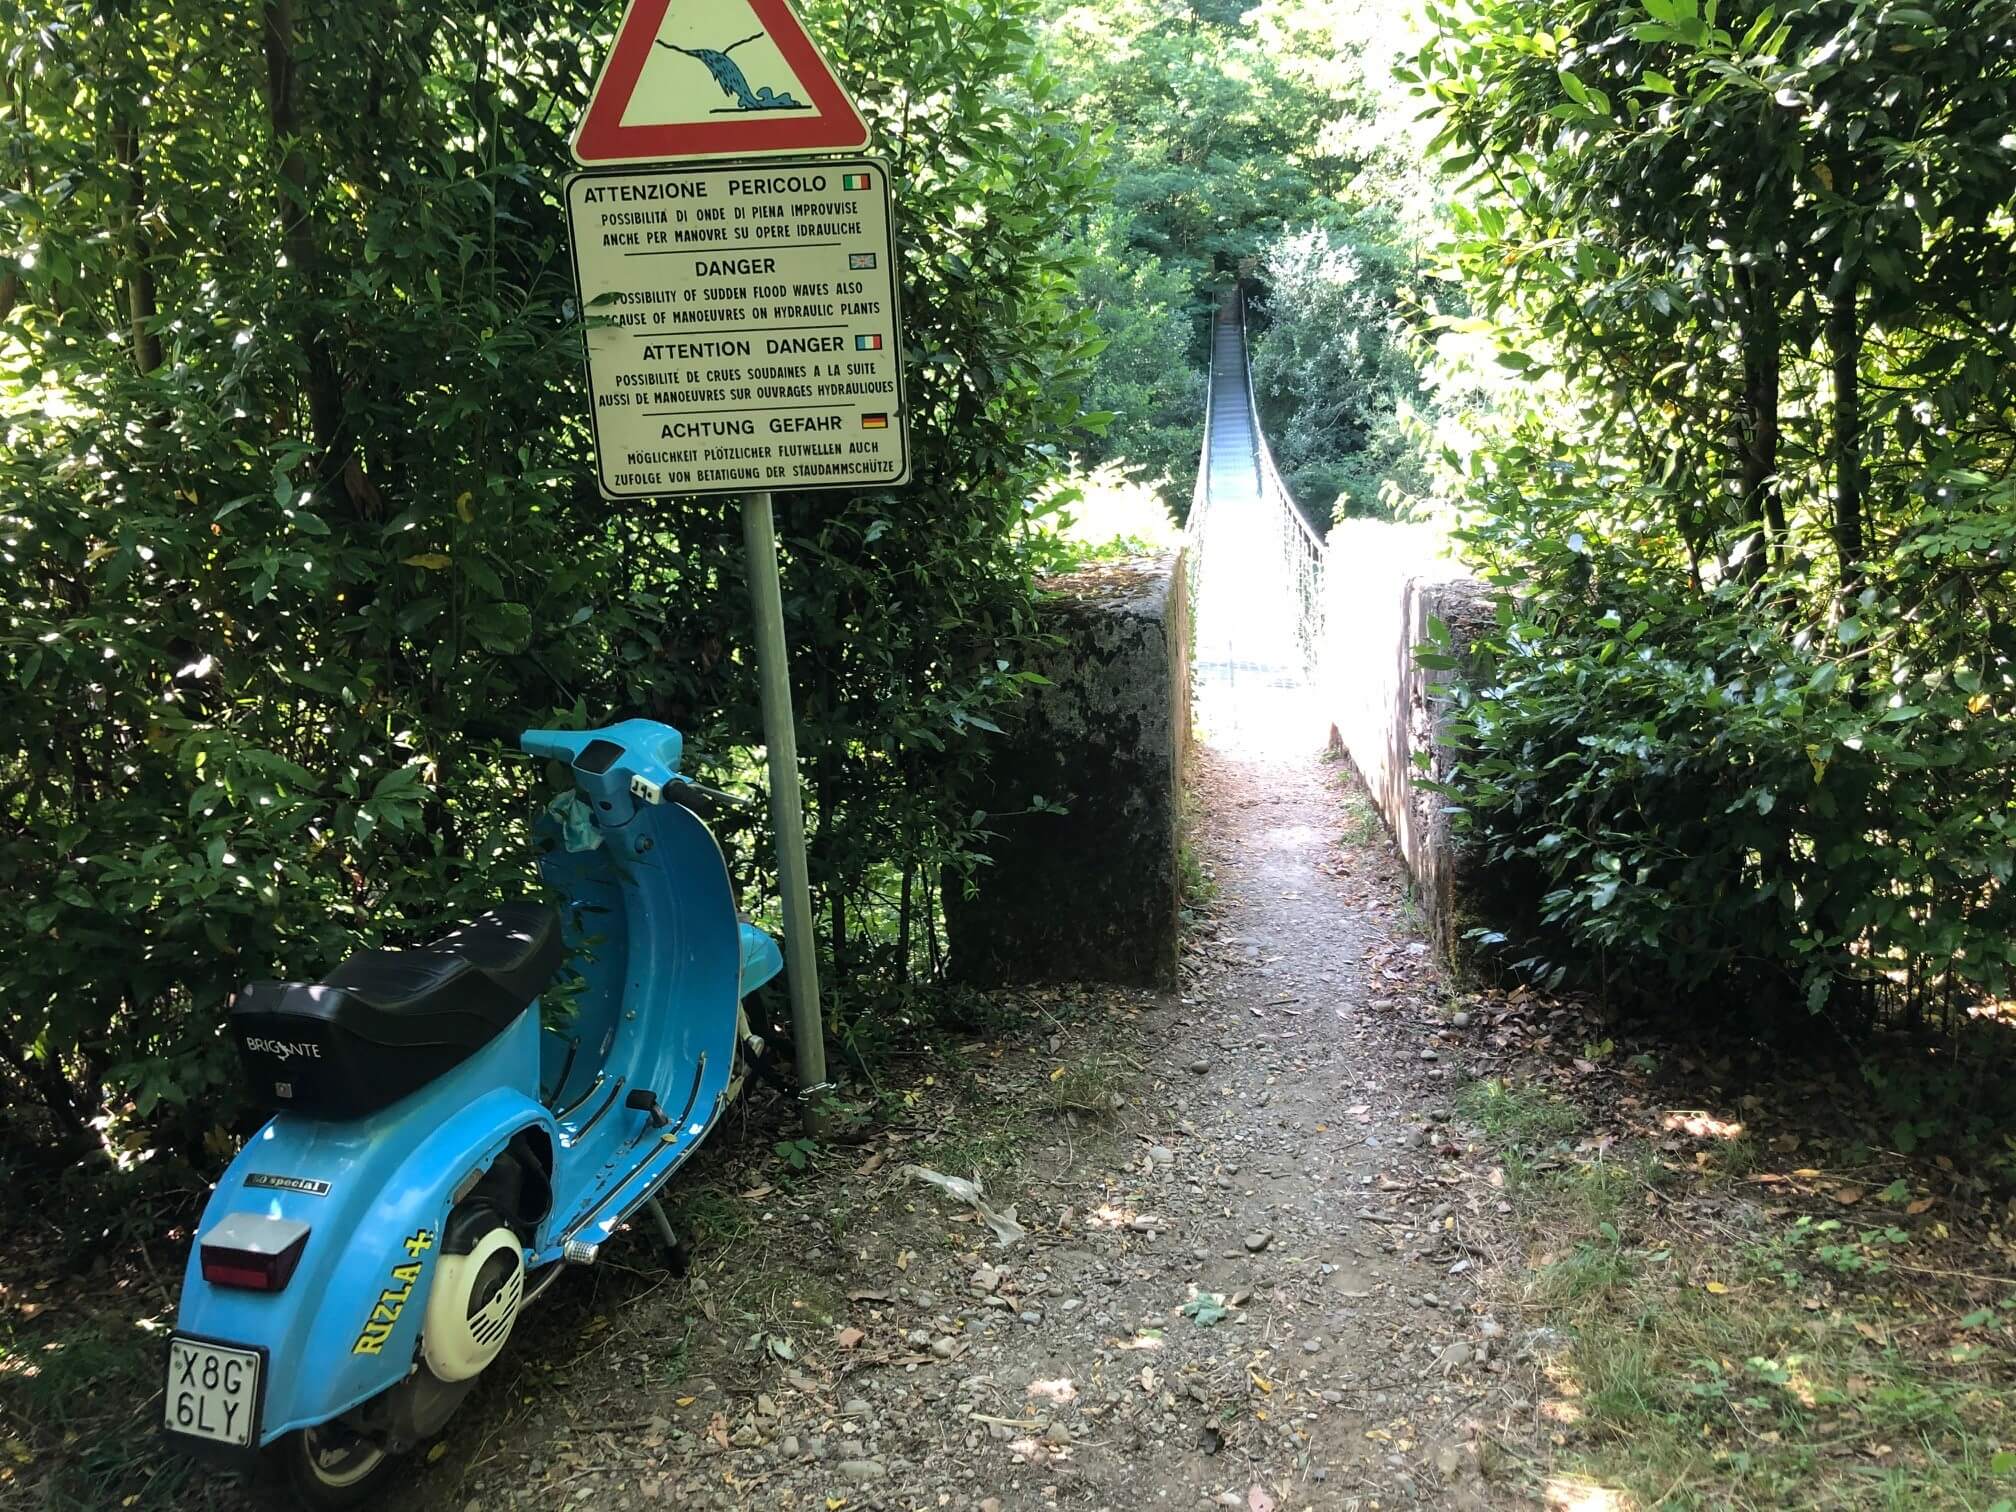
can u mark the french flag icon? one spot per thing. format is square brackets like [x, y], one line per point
[867, 343]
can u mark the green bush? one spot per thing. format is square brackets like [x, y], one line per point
[1745, 722]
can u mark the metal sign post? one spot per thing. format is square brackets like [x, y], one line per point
[745, 326]
[787, 815]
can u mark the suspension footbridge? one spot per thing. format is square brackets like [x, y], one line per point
[1256, 572]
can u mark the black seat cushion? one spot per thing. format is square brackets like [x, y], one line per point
[386, 1022]
[472, 981]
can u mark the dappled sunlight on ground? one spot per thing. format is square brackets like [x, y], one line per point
[1573, 1495]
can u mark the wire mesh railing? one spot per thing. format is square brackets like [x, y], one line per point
[1301, 549]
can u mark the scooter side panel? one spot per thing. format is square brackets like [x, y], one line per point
[375, 1193]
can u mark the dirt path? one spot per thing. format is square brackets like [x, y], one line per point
[1247, 1278]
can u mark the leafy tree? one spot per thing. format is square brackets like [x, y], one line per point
[1335, 370]
[300, 527]
[1228, 129]
[1751, 503]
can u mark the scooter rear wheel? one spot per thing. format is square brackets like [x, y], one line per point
[329, 1467]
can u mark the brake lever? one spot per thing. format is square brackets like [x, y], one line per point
[715, 795]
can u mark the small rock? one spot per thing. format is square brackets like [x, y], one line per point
[1058, 1435]
[1200, 1067]
[815, 1448]
[765, 1406]
[1162, 1155]
[986, 1280]
[1142, 1225]
[1032, 1317]
[863, 1469]
[1460, 1020]
[1455, 1357]
[1255, 1243]
[991, 1504]
[943, 1348]
[746, 1437]
[1429, 1055]
[1334, 1398]
[854, 1407]
[919, 1338]
[1448, 1460]
[1312, 1346]
[791, 1447]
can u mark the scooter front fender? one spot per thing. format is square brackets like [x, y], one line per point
[375, 1193]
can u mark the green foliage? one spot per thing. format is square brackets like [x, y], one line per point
[1747, 504]
[1229, 128]
[300, 527]
[1145, 377]
[798, 1154]
[1334, 369]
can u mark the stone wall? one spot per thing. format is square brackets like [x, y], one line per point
[1383, 583]
[1091, 894]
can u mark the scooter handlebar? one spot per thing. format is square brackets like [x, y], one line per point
[715, 795]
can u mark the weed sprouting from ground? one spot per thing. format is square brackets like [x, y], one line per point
[1199, 886]
[1516, 1115]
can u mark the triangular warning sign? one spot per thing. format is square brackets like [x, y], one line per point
[715, 79]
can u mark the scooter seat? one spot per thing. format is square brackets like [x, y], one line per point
[386, 1022]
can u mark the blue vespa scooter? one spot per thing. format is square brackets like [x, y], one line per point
[437, 1155]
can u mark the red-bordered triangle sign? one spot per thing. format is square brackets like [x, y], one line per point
[715, 79]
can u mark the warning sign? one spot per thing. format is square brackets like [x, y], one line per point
[744, 331]
[715, 79]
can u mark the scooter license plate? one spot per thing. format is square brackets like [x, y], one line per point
[213, 1391]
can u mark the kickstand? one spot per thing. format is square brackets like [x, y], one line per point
[676, 1258]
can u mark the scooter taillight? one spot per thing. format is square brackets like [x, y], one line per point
[252, 1252]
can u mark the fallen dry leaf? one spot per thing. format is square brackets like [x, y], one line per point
[847, 1338]
[1847, 1196]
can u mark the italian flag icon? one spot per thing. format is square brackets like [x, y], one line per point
[854, 181]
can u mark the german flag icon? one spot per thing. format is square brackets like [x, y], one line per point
[875, 422]
[867, 343]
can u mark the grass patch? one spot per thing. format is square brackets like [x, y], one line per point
[1517, 1116]
[1706, 1381]
[1702, 1351]
[1746, 1360]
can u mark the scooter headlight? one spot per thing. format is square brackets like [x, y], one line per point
[252, 1251]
